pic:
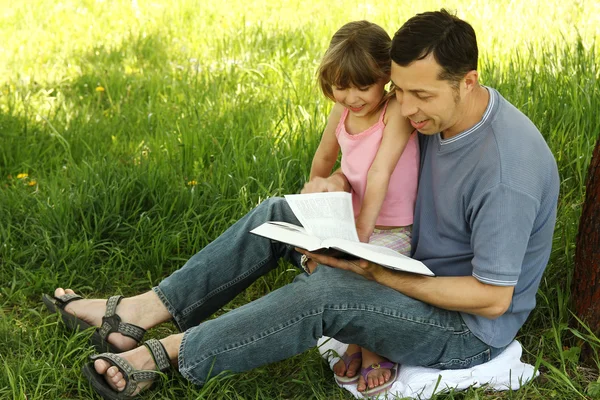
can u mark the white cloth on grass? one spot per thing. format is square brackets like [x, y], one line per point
[504, 372]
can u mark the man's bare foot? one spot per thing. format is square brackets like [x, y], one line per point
[340, 367]
[139, 358]
[376, 377]
[92, 311]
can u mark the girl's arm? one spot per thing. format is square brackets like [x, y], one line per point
[396, 133]
[328, 150]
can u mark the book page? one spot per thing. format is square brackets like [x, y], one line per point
[380, 255]
[325, 215]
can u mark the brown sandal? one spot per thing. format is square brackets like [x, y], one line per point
[111, 322]
[131, 375]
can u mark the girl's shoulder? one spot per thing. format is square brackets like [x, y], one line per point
[337, 110]
[393, 110]
[336, 113]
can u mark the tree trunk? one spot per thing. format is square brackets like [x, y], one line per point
[585, 289]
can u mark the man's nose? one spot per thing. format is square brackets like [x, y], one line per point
[407, 106]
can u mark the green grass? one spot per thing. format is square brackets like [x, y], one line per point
[205, 109]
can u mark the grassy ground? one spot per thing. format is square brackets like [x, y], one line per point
[133, 133]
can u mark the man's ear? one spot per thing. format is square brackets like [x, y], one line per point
[471, 80]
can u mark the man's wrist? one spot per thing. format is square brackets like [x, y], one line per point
[382, 275]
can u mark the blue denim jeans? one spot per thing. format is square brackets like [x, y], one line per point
[289, 320]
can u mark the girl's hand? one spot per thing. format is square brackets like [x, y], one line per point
[334, 183]
[364, 235]
[315, 185]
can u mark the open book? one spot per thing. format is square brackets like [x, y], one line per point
[328, 224]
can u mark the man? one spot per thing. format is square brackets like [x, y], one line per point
[484, 220]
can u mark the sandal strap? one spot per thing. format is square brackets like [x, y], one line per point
[348, 358]
[66, 298]
[384, 364]
[131, 375]
[159, 354]
[111, 322]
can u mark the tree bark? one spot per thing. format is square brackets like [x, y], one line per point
[585, 289]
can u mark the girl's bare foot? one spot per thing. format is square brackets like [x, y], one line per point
[340, 367]
[378, 376]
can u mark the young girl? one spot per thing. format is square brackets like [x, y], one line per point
[380, 159]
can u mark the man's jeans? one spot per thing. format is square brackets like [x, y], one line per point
[289, 320]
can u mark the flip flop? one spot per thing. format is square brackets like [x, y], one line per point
[347, 359]
[131, 375]
[111, 322]
[392, 366]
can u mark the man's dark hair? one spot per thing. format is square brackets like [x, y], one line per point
[451, 40]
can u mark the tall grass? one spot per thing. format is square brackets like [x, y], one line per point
[146, 129]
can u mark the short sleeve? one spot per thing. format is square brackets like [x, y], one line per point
[502, 221]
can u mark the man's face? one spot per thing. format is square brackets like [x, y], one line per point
[431, 105]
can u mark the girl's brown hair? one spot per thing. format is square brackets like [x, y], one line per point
[358, 55]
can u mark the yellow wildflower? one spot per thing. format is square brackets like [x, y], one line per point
[192, 183]
[99, 89]
[22, 175]
[32, 183]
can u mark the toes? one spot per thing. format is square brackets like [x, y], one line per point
[112, 374]
[372, 382]
[101, 366]
[120, 384]
[60, 291]
[117, 378]
[339, 368]
[353, 368]
[361, 386]
[387, 374]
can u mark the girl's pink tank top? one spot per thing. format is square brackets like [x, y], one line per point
[358, 153]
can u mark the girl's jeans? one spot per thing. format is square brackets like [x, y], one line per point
[289, 320]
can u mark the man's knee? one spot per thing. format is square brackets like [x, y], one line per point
[276, 209]
[273, 206]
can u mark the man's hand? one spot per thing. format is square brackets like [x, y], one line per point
[361, 267]
[311, 265]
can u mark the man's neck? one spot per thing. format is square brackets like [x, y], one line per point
[472, 111]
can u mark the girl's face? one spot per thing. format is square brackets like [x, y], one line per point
[361, 102]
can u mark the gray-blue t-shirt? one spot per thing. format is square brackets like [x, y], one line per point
[486, 207]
